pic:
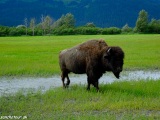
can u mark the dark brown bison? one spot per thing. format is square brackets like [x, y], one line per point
[93, 57]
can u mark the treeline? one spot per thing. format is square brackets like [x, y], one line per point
[83, 30]
[66, 26]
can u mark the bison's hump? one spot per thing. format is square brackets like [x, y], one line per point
[93, 45]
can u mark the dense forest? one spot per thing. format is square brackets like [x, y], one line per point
[103, 13]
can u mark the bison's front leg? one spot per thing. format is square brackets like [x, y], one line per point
[96, 85]
[94, 81]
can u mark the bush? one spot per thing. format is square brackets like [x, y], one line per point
[64, 31]
[38, 32]
[4, 31]
[88, 30]
[111, 31]
[17, 31]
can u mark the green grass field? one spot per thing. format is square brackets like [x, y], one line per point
[120, 100]
[38, 56]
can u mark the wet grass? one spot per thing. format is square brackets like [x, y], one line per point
[38, 56]
[119, 100]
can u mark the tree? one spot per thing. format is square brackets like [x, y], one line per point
[69, 21]
[66, 21]
[26, 24]
[90, 24]
[154, 26]
[47, 23]
[142, 22]
[32, 25]
[42, 25]
[126, 28]
[59, 22]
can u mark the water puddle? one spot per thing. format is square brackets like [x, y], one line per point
[13, 85]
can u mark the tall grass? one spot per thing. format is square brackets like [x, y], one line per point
[119, 100]
[38, 56]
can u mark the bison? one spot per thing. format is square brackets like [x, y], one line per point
[94, 58]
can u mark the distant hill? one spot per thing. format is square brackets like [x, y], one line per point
[103, 13]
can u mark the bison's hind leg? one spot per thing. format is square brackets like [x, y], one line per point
[89, 83]
[68, 81]
[63, 76]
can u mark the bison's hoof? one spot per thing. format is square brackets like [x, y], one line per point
[88, 89]
[66, 86]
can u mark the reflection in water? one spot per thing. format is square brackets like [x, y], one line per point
[8, 85]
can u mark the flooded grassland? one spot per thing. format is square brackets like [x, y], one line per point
[13, 85]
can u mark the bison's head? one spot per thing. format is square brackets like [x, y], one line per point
[113, 60]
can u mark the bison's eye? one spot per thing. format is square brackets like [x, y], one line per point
[107, 57]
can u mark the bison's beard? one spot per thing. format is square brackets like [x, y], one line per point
[117, 74]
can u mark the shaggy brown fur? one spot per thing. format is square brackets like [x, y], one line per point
[93, 57]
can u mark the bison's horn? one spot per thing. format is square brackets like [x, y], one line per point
[108, 50]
